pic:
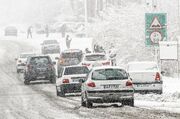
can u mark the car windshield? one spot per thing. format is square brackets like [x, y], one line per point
[76, 70]
[50, 42]
[40, 60]
[109, 74]
[95, 57]
[26, 55]
[142, 67]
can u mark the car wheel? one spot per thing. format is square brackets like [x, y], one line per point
[18, 71]
[129, 102]
[57, 92]
[62, 93]
[88, 103]
[83, 103]
[159, 92]
[26, 82]
[53, 80]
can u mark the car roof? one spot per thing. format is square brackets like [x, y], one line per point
[89, 54]
[74, 66]
[71, 50]
[27, 53]
[140, 62]
[40, 56]
[106, 67]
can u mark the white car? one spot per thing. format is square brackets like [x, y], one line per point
[70, 78]
[146, 76]
[21, 61]
[50, 47]
[106, 85]
[96, 59]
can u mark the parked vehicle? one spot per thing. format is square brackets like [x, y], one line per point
[96, 59]
[70, 79]
[21, 61]
[10, 31]
[70, 57]
[107, 85]
[146, 77]
[39, 68]
[50, 47]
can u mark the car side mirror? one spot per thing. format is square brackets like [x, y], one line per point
[56, 58]
[163, 73]
[54, 63]
[131, 79]
[16, 59]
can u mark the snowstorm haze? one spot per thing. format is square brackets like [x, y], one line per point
[28, 11]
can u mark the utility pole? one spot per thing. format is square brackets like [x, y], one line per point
[85, 16]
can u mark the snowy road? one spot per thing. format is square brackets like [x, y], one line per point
[39, 99]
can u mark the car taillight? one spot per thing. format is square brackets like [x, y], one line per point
[158, 77]
[129, 83]
[86, 64]
[91, 84]
[65, 80]
[61, 61]
[106, 63]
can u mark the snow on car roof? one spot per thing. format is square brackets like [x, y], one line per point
[89, 54]
[75, 66]
[107, 67]
[140, 62]
[72, 50]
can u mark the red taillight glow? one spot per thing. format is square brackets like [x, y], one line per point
[65, 80]
[158, 77]
[129, 83]
[86, 64]
[106, 63]
[91, 84]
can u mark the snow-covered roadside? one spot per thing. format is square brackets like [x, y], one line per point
[169, 100]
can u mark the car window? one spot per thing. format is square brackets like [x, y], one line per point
[26, 55]
[40, 60]
[76, 70]
[142, 67]
[60, 72]
[95, 57]
[109, 74]
[50, 42]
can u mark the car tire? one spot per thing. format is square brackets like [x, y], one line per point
[18, 71]
[62, 93]
[53, 80]
[57, 92]
[83, 103]
[88, 103]
[26, 82]
[129, 102]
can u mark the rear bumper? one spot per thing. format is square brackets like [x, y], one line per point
[110, 96]
[70, 88]
[148, 87]
[40, 76]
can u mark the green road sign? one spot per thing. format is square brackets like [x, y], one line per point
[155, 28]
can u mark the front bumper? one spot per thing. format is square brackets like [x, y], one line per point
[70, 88]
[110, 96]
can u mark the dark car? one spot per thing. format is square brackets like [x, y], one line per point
[11, 31]
[50, 47]
[39, 68]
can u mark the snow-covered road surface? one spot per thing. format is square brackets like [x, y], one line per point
[39, 100]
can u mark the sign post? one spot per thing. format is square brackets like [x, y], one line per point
[155, 28]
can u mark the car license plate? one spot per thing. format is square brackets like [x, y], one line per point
[142, 85]
[111, 86]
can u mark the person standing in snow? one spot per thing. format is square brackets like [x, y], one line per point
[68, 41]
[112, 55]
[29, 32]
